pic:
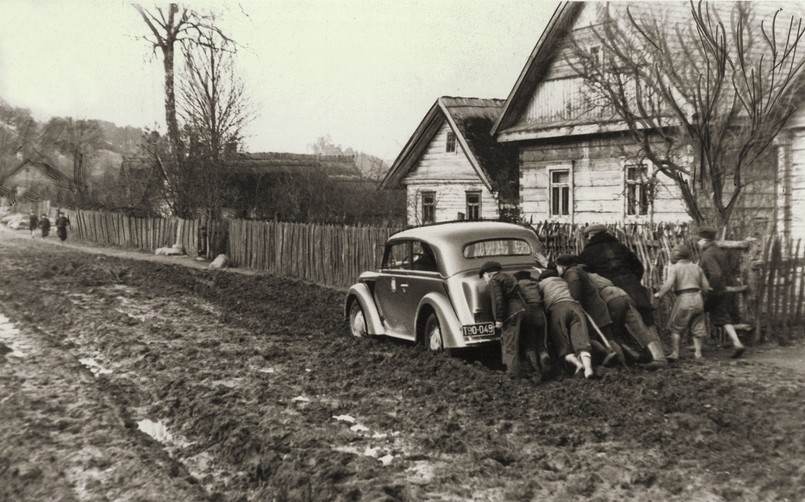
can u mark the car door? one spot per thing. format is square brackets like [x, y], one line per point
[392, 288]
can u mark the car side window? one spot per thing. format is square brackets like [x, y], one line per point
[424, 258]
[398, 256]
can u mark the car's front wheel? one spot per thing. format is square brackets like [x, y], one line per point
[433, 334]
[357, 321]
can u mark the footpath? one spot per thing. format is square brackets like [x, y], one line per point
[791, 357]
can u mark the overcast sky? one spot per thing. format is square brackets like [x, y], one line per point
[363, 71]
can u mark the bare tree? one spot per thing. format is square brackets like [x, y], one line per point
[171, 27]
[80, 140]
[702, 100]
[214, 108]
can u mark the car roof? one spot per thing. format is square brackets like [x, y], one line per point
[461, 232]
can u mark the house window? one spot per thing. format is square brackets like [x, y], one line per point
[428, 207]
[559, 191]
[473, 205]
[451, 142]
[596, 57]
[637, 190]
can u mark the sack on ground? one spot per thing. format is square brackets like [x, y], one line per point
[220, 261]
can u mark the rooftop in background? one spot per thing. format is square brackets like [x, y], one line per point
[337, 167]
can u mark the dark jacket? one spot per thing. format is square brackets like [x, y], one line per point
[44, 224]
[530, 290]
[505, 295]
[585, 292]
[608, 257]
[33, 222]
[713, 262]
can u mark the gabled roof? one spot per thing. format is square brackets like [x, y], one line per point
[558, 27]
[337, 167]
[470, 119]
[563, 23]
[49, 171]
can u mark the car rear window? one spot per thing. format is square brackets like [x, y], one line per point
[497, 247]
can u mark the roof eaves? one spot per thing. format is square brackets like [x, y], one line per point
[466, 147]
[563, 11]
[404, 161]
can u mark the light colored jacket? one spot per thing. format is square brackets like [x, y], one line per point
[684, 274]
[555, 290]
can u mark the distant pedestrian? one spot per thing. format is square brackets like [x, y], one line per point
[44, 225]
[507, 311]
[33, 224]
[608, 257]
[688, 282]
[62, 222]
[718, 304]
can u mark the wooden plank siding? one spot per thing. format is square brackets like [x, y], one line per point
[793, 193]
[598, 182]
[450, 176]
[436, 163]
[451, 199]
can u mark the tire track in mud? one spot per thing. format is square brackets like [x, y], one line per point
[63, 438]
[221, 360]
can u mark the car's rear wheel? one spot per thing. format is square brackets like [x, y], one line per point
[357, 321]
[433, 334]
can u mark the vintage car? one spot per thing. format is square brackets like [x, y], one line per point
[427, 289]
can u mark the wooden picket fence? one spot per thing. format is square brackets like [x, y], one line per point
[768, 273]
[330, 255]
[777, 290]
[117, 229]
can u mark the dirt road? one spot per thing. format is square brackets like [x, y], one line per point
[251, 389]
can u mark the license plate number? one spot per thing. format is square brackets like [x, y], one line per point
[487, 328]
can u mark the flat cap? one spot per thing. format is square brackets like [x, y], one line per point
[680, 252]
[567, 260]
[595, 228]
[548, 272]
[490, 266]
[707, 233]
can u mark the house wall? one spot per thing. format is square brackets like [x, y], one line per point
[27, 177]
[791, 179]
[450, 175]
[450, 200]
[598, 183]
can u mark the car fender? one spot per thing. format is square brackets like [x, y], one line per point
[451, 328]
[363, 295]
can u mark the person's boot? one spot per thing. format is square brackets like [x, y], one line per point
[545, 364]
[531, 357]
[513, 370]
[657, 356]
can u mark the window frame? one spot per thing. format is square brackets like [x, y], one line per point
[636, 191]
[468, 205]
[431, 205]
[550, 170]
[450, 144]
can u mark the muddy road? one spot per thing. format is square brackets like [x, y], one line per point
[127, 380]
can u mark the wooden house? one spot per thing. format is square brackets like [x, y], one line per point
[34, 182]
[579, 165]
[451, 167]
[289, 186]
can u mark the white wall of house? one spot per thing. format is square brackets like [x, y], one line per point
[449, 175]
[597, 184]
[791, 177]
[450, 199]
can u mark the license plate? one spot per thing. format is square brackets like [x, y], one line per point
[487, 328]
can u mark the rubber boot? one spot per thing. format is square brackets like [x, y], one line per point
[657, 356]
